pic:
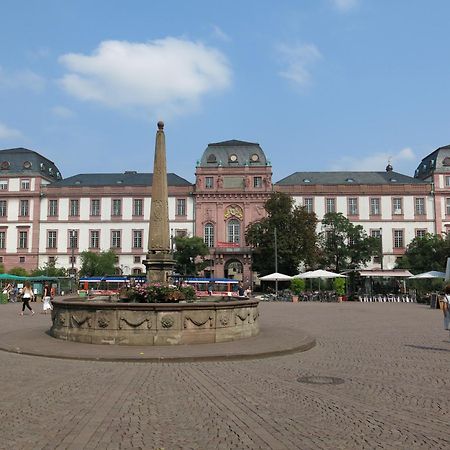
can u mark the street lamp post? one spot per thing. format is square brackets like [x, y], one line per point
[72, 257]
[381, 248]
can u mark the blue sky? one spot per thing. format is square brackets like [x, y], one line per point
[319, 84]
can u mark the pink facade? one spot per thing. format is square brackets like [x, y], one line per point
[233, 181]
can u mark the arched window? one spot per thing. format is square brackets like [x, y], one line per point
[137, 271]
[234, 231]
[209, 235]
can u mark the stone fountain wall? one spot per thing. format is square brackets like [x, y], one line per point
[101, 322]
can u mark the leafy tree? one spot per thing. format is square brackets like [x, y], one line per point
[344, 245]
[429, 252]
[19, 271]
[49, 269]
[95, 264]
[188, 249]
[296, 236]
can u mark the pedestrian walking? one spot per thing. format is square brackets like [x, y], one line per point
[46, 298]
[27, 296]
[446, 308]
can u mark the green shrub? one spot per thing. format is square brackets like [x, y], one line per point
[297, 286]
[339, 286]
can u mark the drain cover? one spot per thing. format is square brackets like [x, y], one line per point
[317, 379]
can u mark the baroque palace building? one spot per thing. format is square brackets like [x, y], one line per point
[45, 217]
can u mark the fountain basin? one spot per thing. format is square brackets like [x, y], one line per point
[104, 322]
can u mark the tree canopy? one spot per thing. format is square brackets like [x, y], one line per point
[295, 235]
[188, 251]
[97, 264]
[49, 269]
[426, 253]
[344, 245]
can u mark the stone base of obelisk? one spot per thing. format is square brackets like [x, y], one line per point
[160, 267]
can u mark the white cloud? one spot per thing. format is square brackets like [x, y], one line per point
[21, 79]
[298, 60]
[62, 111]
[8, 133]
[345, 5]
[376, 162]
[220, 34]
[165, 75]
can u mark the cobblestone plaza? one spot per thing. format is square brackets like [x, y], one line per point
[378, 377]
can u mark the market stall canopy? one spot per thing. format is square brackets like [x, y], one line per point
[7, 276]
[276, 277]
[319, 274]
[386, 273]
[430, 274]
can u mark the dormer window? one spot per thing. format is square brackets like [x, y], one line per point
[254, 158]
[4, 165]
[27, 165]
[446, 161]
[233, 158]
[211, 158]
[350, 180]
[306, 180]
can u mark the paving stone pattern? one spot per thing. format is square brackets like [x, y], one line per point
[393, 359]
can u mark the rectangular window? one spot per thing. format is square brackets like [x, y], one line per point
[138, 207]
[447, 206]
[137, 238]
[115, 239]
[94, 239]
[3, 208]
[137, 259]
[73, 238]
[23, 239]
[25, 185]
[3, 185]
[51, 239]
[421, 233]
[73, 260]
[21, 259]
[117, 207]
[420, 206]
[308, 203]
[257, 182]
[375, 233]
[2, 239]
[95, 207]
[447, 182]
[353, 206]
[180, 233]
[74, 208]
[330, 205]
[209, 182]
[53, 207]
[181, 207]
[397, 206]
[399, 241]
[23, 208]
[375, 207]
[51, 260]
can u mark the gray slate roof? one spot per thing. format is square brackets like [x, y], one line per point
[24, 161]
[218, 154]
[439, 160]
[308, 178]
[130, 178]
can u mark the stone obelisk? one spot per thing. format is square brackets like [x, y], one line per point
[159, 262]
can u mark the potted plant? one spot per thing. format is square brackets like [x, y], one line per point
[339, 287]
[297, 287]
